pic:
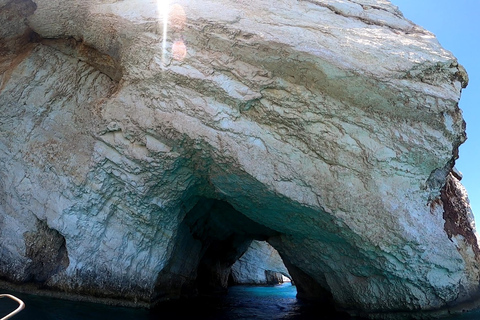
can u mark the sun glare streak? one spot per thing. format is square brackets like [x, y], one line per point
[173, 19]
[163, 7]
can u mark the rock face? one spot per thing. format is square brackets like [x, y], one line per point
[145, 145]
[258, 265]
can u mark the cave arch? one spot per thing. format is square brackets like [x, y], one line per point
[211, 238]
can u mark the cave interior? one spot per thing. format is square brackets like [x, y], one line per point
[212, 237]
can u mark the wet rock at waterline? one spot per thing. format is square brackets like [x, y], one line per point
[153, 142]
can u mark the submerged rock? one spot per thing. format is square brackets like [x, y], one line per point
[153, 142]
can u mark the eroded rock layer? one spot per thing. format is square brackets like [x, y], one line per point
[152, 141]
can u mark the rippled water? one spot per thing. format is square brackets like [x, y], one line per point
[242, 302]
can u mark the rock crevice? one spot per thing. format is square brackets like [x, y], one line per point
[47, 251]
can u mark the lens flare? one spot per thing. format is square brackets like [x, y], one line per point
[177, 17]
[179, 50]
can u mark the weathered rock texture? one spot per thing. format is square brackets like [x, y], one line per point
[258, 264]
[151, 142]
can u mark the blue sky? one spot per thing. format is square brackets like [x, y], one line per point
[456, 23]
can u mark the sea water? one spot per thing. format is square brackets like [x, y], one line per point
[241, 302]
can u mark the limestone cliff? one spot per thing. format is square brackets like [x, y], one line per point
[144, 144]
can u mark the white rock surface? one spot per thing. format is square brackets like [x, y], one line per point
[333, 123]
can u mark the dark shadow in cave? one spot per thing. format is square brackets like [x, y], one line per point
[211, 238]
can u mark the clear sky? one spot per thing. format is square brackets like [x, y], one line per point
[456, 23]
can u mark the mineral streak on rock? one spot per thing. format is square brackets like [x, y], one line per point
[458, 216]
[327, 128]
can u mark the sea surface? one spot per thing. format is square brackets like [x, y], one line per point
[242, 302]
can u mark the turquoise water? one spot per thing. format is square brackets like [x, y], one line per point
[242, 302]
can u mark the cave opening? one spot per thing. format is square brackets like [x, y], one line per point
[217, 246]
[261, 264]
[219, 253]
